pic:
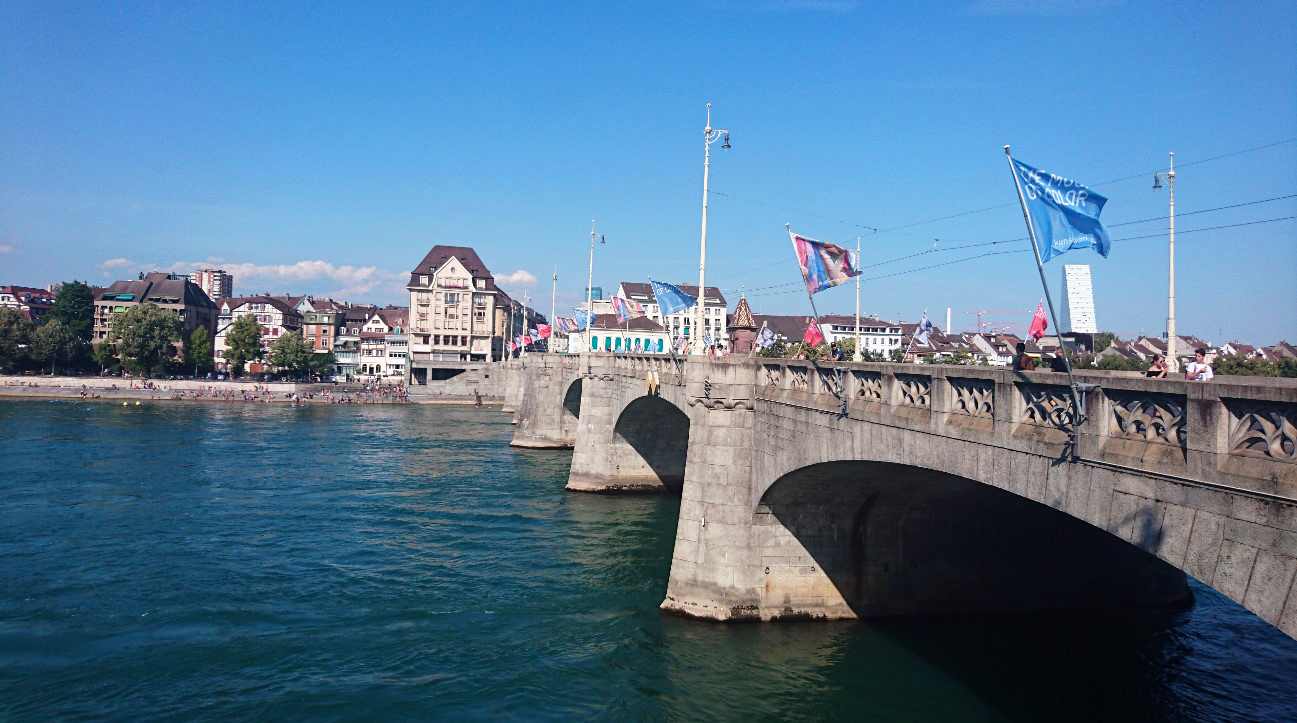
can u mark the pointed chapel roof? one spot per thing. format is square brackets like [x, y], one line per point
[742, 318]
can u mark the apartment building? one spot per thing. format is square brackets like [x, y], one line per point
[169, 291]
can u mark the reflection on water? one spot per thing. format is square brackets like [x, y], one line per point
[203, 560]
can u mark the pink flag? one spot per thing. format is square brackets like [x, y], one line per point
[812, 335]
[1038, 323]
[544, 330]
[513, 346]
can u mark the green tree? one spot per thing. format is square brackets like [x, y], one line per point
[1103, 340]
[55, 341]
[898, 355]
[962, 357]
[321, 364]
[778, 350]
[198, 352]
[15, 334]
[1116, 363]
[290, 353]
[105, 357]
[146, 335]
[1288, 367]
[75, 307]
[242, 343]
[1234, 364]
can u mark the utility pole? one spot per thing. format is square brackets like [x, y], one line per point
[1172, 363]
[857, 356]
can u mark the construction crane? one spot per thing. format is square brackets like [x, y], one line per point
[982, 326]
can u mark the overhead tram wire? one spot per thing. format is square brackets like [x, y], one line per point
[1101, 183]
[896, 229]
[980, 244]
[1015, 251]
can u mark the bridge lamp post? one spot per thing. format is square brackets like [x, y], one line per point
[1171, 361]
[710, 136]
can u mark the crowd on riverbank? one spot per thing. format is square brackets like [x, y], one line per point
[203, 390]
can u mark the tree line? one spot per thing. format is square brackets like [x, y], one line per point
[146, 340]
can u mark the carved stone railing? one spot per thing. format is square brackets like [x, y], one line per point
[913, 390]
[1046, 405]
[867, 385]
[1262, 429]
[1148, 417]
[972, 397]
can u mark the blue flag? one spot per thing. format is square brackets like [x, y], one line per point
[1064, 213]
[583, 318]
[670, 298]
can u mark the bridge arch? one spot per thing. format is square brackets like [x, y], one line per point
[650, 445]
[894, 539]
[571, 413]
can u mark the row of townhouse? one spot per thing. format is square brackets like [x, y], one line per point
[366, 341]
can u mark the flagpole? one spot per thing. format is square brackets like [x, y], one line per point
[858, 356]
[1040, 266]
[553, 300]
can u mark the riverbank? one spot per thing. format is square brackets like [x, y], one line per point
[116, 388]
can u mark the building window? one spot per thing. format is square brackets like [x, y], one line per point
[423, 281]
[452, 298]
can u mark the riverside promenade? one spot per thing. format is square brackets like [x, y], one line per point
[128, 389]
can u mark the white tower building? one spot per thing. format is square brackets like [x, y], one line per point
[1078, 307]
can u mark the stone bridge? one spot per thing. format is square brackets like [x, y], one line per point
[851, 490]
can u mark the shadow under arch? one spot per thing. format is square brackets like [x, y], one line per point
[895, 539]
[572, 401]
[651, 441]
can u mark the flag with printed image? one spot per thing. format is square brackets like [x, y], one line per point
[639, 346]
[671, 300]
[520, 340]
[513, 346]
[1039, 323]
[584, 318]
[922, 331]
[813, 336]
[824, 265]
[545, 330]
[626, 309]
[1064, 213]
[681, 344]
[766, 338]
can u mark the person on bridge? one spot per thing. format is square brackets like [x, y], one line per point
[1199, 370]
[1059, 362]
[1157, 370]
[1022, 362]
[835, 352]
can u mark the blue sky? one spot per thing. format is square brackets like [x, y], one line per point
[324, 147]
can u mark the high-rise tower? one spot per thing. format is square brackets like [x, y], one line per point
[1078, 307]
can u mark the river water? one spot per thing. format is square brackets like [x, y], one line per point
[236, 561]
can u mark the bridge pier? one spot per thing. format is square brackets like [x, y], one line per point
[546, 416]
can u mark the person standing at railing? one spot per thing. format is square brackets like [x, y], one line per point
[1022, 362]
[1199, 370]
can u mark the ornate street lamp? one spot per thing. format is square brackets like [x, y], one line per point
[710, 136]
